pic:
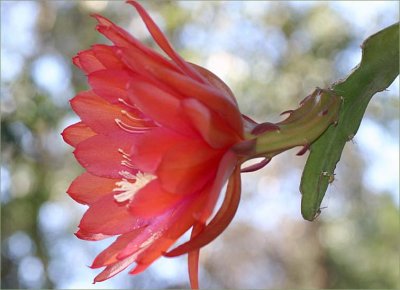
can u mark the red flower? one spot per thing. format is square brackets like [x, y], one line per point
[155, 138]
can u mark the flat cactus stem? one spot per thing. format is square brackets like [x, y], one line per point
[378, 68]
[302, 127]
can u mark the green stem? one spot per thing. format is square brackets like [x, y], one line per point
[303, 126]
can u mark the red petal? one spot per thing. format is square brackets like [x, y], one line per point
[77, 133]
[218, 224]
[110, 84]
[121, 38]
[215, 81]
[100, 115]
[81, 234]
[99, 57]
[87, 61]
[109, 255]
[152, 200]
[154, 251]
[150, 148]
[142, 65]
[225, 169]
[176, 223]
[97, 113]
[107, 56]
[213, 130]
[164, 44]
[75, 61]
[88, 188]
[108, 217]
[115, 268]
[139, 269]
[184, 86]
[99, 154]
[188, 166]
[193, 259]
[147, 237]
[164, 230]
[208, 95]
[152, 241]
[193, 267]
[160, 106]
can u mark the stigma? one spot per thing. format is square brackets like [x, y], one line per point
[127, 189]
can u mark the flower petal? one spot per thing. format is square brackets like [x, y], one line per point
[87, 61]
[164, 230]
[95, 112]
[164, 44]
[188, 166]
[152, 200]
[193, 267]
[108, 217]
[81, 234]
[186, 87]
[107, 56]
[218, 224]
[139, 269]
[146, 238]
[77, 133]
[115, 268]
[149, 149]
[99, 57]
[193, 259]
[110, 84]
[109, 255]
[225, 169]
[121, 38]
[100, 154]
[101, 116]
[88, 188]
[215, 81]
[162, 107]
[213, 130]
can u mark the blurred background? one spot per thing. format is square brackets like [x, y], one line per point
[272, 54]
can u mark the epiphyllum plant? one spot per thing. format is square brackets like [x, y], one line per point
[159, 138]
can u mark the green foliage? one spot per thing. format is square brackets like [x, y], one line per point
[378, 68]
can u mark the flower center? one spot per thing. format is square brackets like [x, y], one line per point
[127, 189]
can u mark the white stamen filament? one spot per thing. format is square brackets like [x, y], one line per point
[126, 157]
[129, 116]
[130, 129]
[124, 154]
[126, 103]
[126, 174]
[127, 164]
[128, 189]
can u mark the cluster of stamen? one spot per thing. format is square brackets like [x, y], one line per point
[122, 101]
[130, 183]
[126, 161]
[130, 128]
[128, 189]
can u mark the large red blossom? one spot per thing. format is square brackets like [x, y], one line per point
[155, 138]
